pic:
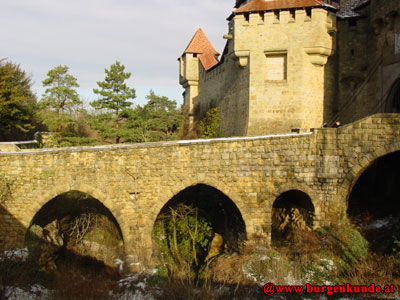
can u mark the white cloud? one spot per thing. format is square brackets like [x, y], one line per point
[88, 36]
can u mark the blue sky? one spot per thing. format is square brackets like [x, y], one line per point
[89, 35]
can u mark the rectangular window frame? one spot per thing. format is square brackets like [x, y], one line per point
[274, 54]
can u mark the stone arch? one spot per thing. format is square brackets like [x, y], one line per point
[302, 188]
[222, 213]
[392, 101]
[43, 197]
[214, 183]
[291, 211]
[359, 166]
[372, 201]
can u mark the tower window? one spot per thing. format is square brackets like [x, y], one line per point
[276, 66]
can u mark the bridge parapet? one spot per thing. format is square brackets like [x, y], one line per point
[135, 181]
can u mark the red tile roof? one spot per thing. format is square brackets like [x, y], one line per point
[262, 5]
[202, 46]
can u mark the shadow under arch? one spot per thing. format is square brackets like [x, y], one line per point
[72, 203]
[291, 211]
[44, 197]
[217, 208]
[372, 203]
[74, 227]
[302, 188]
[359, 167]
[188, 183]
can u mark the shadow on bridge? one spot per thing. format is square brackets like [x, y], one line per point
[12, 231]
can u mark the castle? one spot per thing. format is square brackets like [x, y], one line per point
[291, 64]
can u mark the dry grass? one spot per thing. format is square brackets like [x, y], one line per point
[379, 269]
[79, 278]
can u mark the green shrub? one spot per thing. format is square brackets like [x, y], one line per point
[182, 237]
[344, 244]
[210, 126]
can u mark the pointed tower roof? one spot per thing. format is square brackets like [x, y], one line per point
[202, 46]
[240, 3]
[263, 5]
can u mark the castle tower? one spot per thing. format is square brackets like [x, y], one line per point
[286, 45]
[199, 50]
[273, 74]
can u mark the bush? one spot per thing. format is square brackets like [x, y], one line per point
[345, 244]
[183, 238]
[210, 126]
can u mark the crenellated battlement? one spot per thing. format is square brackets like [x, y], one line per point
[281, 69]
[298, 15]
[275, 59]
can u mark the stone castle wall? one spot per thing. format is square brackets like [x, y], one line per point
[272, 76]
[225, 86]
[367, 62]
[135, 181]
[282, 80]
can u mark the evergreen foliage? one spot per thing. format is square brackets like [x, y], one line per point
[17, 102]
[210, 126]
[158, 120]
[113, 103]
[59, 102]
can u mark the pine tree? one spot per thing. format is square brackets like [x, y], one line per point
[17, 102]
[158, 120]
[59, 101]
[113, 104]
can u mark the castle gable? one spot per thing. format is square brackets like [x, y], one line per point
[201, 45]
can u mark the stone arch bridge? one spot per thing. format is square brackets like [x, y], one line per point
[135, 181]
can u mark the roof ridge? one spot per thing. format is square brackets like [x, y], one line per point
[201, 45]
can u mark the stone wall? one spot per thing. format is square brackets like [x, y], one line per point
[8, 147]
[363, 53]
[225, 86]
[272, 74]
[368, 63]
[297, 100]
[135, 181]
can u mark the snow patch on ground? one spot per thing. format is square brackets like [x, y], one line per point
[378, 224]
[382, 223]
[119, 263]
[133, 287]
[15, 255]
[34, 292]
